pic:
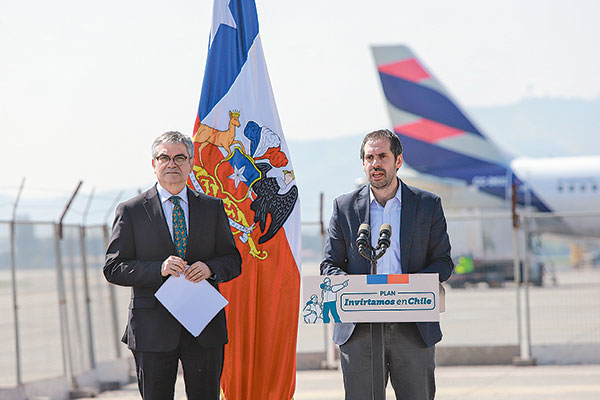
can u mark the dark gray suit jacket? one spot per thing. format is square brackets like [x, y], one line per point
[141, 241]
[424, 244]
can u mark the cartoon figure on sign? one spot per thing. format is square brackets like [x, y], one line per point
[313, 310]
[329, 298]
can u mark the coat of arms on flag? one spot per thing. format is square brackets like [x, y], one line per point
[255, 182]
[241, 156]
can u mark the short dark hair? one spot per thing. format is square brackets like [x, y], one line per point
[173, 137]
[395, 145]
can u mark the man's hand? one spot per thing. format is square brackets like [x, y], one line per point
[173, 266]
[197, 272]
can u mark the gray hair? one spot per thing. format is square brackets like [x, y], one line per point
[395, 144]
[173, 137]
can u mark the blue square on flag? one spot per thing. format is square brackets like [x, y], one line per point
[238, 173]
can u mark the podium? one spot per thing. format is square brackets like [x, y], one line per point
[374, 299]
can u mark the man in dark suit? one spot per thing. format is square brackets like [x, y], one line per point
[419, 245]
[172, 230]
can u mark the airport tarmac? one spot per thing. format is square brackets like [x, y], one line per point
[580, 382]
[565, 328]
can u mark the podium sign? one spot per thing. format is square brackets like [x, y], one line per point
[371, 298]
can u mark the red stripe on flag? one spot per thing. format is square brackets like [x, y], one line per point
[409, 69]
[399, 279]
[427, 130]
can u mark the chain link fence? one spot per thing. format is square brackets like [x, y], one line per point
[553, 315]
[62, 319]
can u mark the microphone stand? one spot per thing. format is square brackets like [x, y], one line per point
[377, 338]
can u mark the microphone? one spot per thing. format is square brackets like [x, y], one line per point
[362, 241]
[385, 232]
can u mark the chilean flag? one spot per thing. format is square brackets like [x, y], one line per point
[242, 157]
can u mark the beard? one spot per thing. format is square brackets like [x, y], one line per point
[381, 183]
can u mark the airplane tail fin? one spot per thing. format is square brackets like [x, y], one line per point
[438, 137]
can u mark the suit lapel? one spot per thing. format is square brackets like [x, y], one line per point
[361, 210]
[408, 214]
[157, 219]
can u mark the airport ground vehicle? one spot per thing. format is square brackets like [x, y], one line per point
[482, 251]
[494, 273]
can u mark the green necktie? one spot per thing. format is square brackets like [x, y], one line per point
[179, 230]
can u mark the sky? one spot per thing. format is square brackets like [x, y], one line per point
[86, 86]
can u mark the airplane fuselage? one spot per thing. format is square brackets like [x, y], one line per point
[565, 185]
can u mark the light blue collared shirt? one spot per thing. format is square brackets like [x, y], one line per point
[168, 206]
[390, 263]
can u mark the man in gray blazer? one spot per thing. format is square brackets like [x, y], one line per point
[172, 230]
[420, 244]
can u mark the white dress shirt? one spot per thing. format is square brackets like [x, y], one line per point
[168, 206]
[390, 263]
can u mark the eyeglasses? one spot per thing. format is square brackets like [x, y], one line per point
[178, 159]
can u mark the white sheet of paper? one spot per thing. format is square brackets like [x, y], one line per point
[194, 305]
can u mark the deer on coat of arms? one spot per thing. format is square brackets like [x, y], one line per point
[206, 135]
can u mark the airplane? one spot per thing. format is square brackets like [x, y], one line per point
[448, 152]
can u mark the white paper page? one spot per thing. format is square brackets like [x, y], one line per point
[194, 305]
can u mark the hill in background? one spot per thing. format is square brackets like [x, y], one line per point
[544, 127]
[535, 127]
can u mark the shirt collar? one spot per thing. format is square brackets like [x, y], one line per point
[165, 195]
[398, 195]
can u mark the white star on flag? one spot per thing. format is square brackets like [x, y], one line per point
[221, 16]
[238, 175]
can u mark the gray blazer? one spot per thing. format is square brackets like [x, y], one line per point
[141, 241]
[424, 244]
